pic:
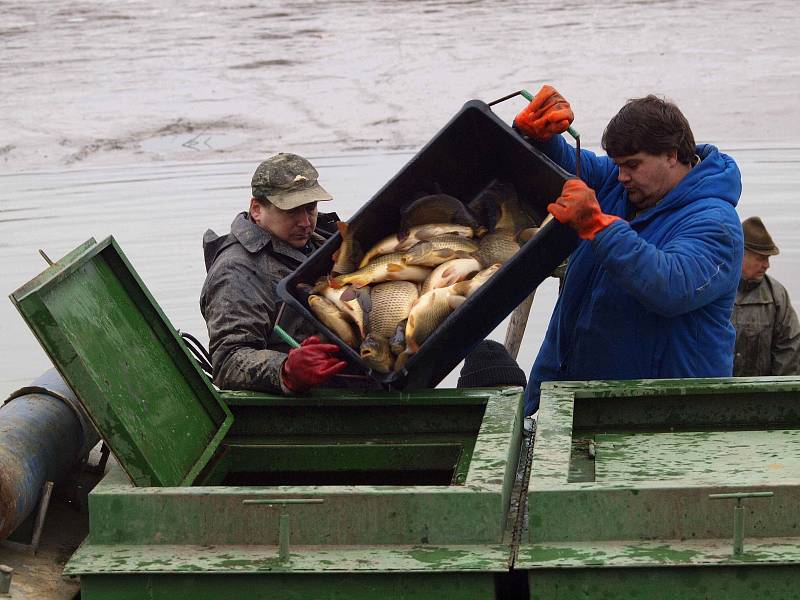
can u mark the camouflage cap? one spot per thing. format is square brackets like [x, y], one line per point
[288, 181]
[757, 238]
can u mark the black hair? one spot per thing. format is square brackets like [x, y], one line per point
[650, 124]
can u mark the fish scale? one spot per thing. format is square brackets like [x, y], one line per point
[391, 303]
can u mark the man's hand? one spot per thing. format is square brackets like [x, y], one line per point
[310, 364]
[548, 114]
[577, 207]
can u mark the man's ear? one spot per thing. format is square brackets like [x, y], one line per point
[255, 209]
[672, 157]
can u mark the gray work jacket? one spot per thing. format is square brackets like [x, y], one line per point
[240, 304]
[767, 330]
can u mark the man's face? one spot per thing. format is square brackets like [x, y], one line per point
[754, 266]
[649, 177]
[293, 226]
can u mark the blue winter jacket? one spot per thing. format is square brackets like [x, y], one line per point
[649, 298]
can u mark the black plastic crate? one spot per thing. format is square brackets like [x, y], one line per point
[474, 150]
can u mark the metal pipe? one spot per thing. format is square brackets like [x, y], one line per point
[738, 530]
[283, 535]
[44, 435]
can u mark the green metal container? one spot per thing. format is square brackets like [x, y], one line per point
[244, 495]
[634, 487]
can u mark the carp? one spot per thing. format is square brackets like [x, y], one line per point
[513, 215]
[497, 247]
[440, 249]
[376, 353]
[388, 304]
[349, 254]
[451, 272]
[400, 242]
[346, 300]
[389, 267]
[436, 208]
[428, 312]
[328, 314]
[465, 289]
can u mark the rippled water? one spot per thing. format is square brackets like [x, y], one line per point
[145, 119]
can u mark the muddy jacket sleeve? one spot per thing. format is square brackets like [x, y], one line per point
[237, 306]
[785, 335]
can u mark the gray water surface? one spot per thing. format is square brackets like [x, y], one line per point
[158, 215]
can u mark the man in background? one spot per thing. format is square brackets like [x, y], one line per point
[767, 329]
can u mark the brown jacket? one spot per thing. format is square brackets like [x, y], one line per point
[767, 330]
[240, 304]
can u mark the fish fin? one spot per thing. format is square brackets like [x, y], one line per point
[364, 300]
[348, 294]
[395, 267]
[454, 301]
[460, 288]
[425, 233]
[342, 227]
[402, 358]
[338, 282]
[335, 255]
[445, 253]
[358, 252]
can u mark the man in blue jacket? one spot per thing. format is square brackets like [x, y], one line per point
[650, 291]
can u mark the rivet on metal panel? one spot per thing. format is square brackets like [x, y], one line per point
[738, 515]
[284, 530]
[5, 579]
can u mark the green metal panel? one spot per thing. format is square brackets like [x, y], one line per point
[127, 365]
[735, 582]
[621, 482]
[342, 586]
[347, 541]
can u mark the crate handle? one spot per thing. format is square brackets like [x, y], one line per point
[571, 130]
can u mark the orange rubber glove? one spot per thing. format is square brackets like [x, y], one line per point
[577, 207]
[310, 364]
[548, 114]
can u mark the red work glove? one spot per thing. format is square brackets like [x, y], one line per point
[548, 114]
[310, 364]
[577, 207]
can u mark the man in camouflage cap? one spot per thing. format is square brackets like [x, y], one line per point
[767, 329]
[239, 300]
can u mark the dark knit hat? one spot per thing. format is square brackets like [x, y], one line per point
[490, 365]
[757, 239]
